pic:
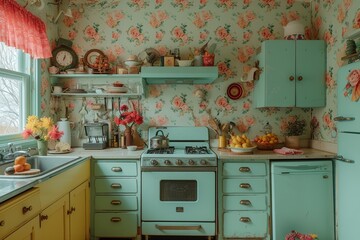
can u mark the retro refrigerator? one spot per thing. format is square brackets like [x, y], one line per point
[347, 167]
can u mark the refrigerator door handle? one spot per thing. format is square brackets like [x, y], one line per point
[341, 118]
[341, 158]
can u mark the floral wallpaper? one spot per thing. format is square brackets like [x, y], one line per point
[122, 28]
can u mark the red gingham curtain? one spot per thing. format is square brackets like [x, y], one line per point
[21, 29]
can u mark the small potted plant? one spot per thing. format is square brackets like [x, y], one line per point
[294, 128]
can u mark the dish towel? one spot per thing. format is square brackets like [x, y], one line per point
[288, 151]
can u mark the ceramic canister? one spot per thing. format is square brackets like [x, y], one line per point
[64, 126]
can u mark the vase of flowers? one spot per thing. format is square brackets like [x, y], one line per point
[128, 119]
[293, 235]
[294, 129]
[41, 129]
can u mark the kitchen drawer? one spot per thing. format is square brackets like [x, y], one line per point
[116, 203]
[244, 185]
[19, 210]
[245, 202]
[244, 169]
[115, 224]
[245, 224]
[115, 169]
[115, 185]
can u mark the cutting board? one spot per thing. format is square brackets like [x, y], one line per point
[28, 172]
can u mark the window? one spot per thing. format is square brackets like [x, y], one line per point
[15, 91]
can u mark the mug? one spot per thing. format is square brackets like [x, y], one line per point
[57, 89]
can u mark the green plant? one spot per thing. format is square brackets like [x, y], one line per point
[295, 127]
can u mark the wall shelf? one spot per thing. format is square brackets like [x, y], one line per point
[179, 75]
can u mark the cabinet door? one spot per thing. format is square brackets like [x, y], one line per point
[26, 232]
[275, 87]
[310, 73]
[79, 212]
[54, 220]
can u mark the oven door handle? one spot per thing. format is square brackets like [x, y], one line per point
[165, 227]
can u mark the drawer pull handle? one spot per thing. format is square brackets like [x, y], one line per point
[116, 219]
[300, 78]
[2, 223]
[72, 209]
[245, 219]
[43, 217]
[115, 202]
[291, 78]
[244, 169]
[116, 169]
[245, 202]
[245, 185]
[26, 209]
[116, 185]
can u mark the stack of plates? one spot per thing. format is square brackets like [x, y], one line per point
[111, 89]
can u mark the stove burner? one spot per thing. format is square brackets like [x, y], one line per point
[196, 150]
[169, 150]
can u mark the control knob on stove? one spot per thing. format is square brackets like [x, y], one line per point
[203, 162]
[179, 162]
[191, 162]
[154, 162]
[167, 162]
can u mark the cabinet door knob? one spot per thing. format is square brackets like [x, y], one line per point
[116, 219]
[116, 169]
[43, 217]
[245, 202]
[291, 78]
[245, 219]
[115, 202]
[2, 223]
[300, 78]
[245, 185]
[244, 169]
[116, 185]
[26, 209]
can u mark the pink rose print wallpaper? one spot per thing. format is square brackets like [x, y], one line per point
[121, 28]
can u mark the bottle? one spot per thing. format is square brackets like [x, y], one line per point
[176, 56]
[267, 128]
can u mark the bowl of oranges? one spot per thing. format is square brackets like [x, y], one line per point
[268, 141]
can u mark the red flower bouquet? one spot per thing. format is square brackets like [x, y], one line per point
[128, 119]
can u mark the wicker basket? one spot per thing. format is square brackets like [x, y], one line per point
[268, 146]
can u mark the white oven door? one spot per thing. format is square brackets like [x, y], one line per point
[178, 196]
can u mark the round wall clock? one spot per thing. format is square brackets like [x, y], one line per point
[64, 57]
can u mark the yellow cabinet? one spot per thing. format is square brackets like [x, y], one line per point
[28, 231]
[18, 210]
[67, 218]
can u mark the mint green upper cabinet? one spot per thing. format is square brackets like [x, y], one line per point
[293, 74]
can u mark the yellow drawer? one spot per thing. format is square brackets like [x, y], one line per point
[245, 224]
[115, 169]
[244, 185]
[115, 185]
[244, 169]
[115, 225]
[245, 202]
[18, 210]
[116, 203]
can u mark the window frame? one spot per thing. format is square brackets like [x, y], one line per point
[29, 75]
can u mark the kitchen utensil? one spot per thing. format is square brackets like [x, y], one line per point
[213, 124]
[159, 141]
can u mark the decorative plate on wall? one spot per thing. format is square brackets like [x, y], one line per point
[235, 91]
[90, 57]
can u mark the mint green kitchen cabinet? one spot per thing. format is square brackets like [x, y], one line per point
[115, 198]
[292, 74]
[244, 199]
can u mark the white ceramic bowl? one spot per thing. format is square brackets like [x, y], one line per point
[132, 63]
[242, 150]
[184, 63]
[131, 148]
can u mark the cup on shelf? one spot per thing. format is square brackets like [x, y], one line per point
[57, 89]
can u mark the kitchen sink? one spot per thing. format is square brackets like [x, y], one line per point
[45, 164]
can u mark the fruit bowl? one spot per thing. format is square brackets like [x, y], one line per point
[242, 150]
[267, 146]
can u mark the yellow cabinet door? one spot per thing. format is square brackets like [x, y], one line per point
[26, 232]
[79, 212]
[54, 220]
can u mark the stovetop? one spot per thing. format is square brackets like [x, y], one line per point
[190, 147]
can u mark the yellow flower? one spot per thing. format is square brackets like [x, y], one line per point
[40, 129]
[314, 236]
